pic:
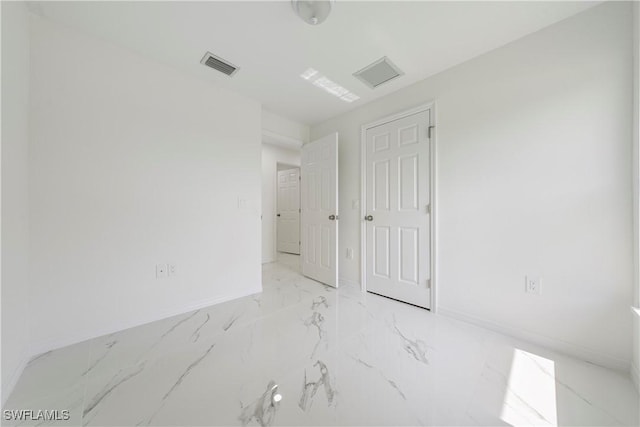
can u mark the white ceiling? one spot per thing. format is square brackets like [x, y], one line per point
[272, 46]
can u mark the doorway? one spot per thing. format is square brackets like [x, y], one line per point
[398, 242]
[288, 210]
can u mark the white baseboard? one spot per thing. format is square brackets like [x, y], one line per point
[79, 336]
[542, 340]
[635, 376]
[348, 282]
[7, 388]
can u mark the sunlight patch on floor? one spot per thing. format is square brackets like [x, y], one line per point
[530, 396]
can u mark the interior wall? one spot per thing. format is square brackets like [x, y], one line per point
[635, 369]
[15, 208]
[271, 156]
[132, 165]
[283, 126]
[533, 178]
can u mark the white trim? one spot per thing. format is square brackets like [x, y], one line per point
[348, 282]
[278, 140]
[7, 388]
[80, 336]
[431, 107]
[555, 344]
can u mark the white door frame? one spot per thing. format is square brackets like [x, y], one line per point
[434, 200]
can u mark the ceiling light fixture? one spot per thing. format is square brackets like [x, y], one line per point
[318, 80]
[313, 12]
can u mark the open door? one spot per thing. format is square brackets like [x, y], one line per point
[319, 197]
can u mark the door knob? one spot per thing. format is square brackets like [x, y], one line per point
[278, 215]
[333, 217]
[368, 218]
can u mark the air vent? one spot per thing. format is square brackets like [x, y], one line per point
[217, 63]
[378, 73]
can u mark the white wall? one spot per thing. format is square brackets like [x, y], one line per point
[133, 164]
[534, 177]
[284, 127]
[271, 156]
[635, 369]
[15, 209]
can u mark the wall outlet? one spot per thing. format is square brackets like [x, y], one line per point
[161, 271]
[532, 285]
[349, 253]
[171, 270]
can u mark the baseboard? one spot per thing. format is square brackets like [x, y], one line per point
[348, 282]
[542, 340]
[635, 376]
[80, 336]
[7, 389]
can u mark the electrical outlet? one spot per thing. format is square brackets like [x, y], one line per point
[532, 285]
[171, 270]
[161, 271]
[349, 253]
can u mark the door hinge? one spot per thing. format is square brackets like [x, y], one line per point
[299, 210]
[428, 207]
[428, 283]
[429, 131]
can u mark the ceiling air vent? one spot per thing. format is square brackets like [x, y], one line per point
[378, 73]
[217, 63]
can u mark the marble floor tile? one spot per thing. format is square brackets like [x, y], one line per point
[301, 353]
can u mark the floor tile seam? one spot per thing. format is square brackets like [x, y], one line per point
[488, 344]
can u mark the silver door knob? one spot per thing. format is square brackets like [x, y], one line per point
[332, 217]
[368, 218]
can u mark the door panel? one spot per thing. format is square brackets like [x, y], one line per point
[319, 201]
[288, 218]
[398, 257]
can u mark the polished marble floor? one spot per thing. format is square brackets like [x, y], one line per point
[301, 353]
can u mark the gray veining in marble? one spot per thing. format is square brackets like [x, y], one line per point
[393, 364]
[177, 383]
[112, 385]
[262, 410]
[108, 346]
[196, 334]
[415, 348]
[310, 388]
[229, 323]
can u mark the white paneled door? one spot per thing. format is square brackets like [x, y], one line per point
[319, 196]
[288, 216]
[398, 206]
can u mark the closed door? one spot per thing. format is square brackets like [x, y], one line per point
[398, 206]
[288, 216]
[319, 219]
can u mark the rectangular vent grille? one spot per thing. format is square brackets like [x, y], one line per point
[219, 64]
[378, 73]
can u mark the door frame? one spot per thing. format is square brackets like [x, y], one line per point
[432, 188]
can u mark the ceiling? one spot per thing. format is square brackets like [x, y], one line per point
[273, 47]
